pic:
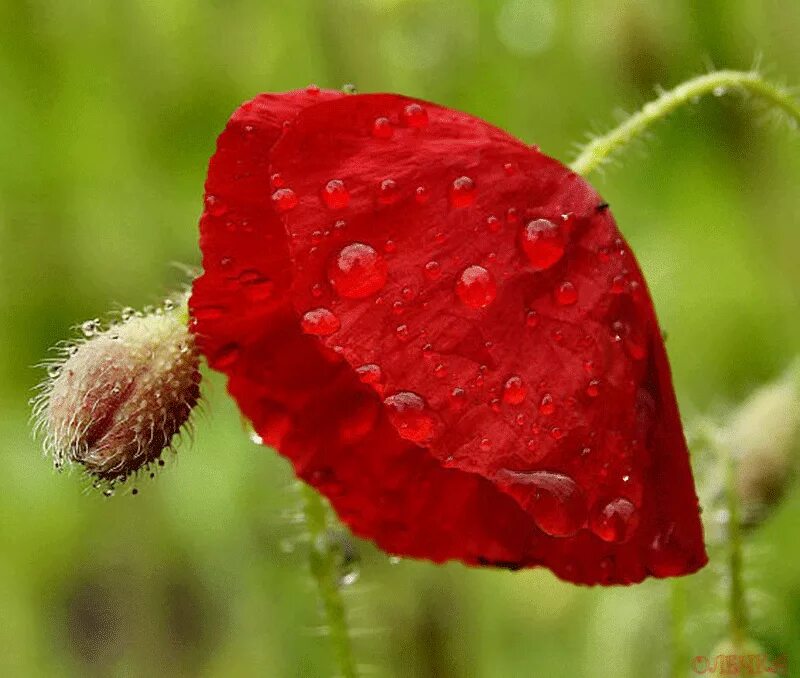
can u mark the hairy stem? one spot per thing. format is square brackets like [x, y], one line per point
[322, 560]
[601, 149]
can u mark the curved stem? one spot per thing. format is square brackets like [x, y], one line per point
[322, 560]
[600, 150]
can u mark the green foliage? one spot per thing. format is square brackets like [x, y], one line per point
[109, 114]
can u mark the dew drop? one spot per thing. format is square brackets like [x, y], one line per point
[90, 327]
[566, 294]
[312, 89]
[214, 206]
[357, 271]
[509, 169]
[410, 415]
[382, 128]
[493, 224]
[485, 445]
[462, 192]
[388, 192]
[415, 115]
[277, 180]
[556, 433]
[547, 406]
[433, 270]
[618, 284]
[440, 371]
[401, 332]
[320, 322]
[335, 195]
[476, 287]
[370, 373]
[543, 243]
[593, 388]
[555, 502]
[284, 199]
[514, 391]
[458, 398]
[615, 521]
[421, 195]
[512, 216]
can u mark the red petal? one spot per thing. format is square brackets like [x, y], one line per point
[457, 347]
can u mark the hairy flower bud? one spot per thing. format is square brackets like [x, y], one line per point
[116, 400]
[763, 434]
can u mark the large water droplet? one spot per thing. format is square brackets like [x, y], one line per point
[514, 391]
[335, 195]
[320, 322]
[476, 287]
[214, 206]
[284, 199]
[410, 415]
[543, 243]
[555, 501]
[358, 271]
[615, 521]
[462, 192]
[415, 115]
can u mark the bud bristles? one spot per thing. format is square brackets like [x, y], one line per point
[115, 401]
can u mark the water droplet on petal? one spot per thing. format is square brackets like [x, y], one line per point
[493, 224]
[476, 287]
[555, 501]
[462, 192]
[509, 169]
[401, 332]
[421, 195]
[357, 271]
[335, 195]
[566, 294]
[382, 128]
[312, 89]
[543, 243]
[440, 371]
[433, 270]
[547, 406]
[284, 199]
[214, 206]
[593, 389]
[370, 373]
[485, 445]
[514, 391]
[388, 192]
[415, 115]
[320, 322]
[410, 415]
[615, 521]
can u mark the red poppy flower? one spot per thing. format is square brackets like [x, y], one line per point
[444, 331]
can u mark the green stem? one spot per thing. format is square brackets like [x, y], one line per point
[737, 610]
[601, 149]
[680, 654]
[323, 568]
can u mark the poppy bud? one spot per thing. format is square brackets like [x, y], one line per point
[763, 434]
[115, 401]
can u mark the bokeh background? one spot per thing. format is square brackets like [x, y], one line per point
[108, 114]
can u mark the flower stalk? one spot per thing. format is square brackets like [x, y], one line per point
[322, 561]
[601, 149]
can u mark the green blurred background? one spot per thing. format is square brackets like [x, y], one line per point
[108, 114]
